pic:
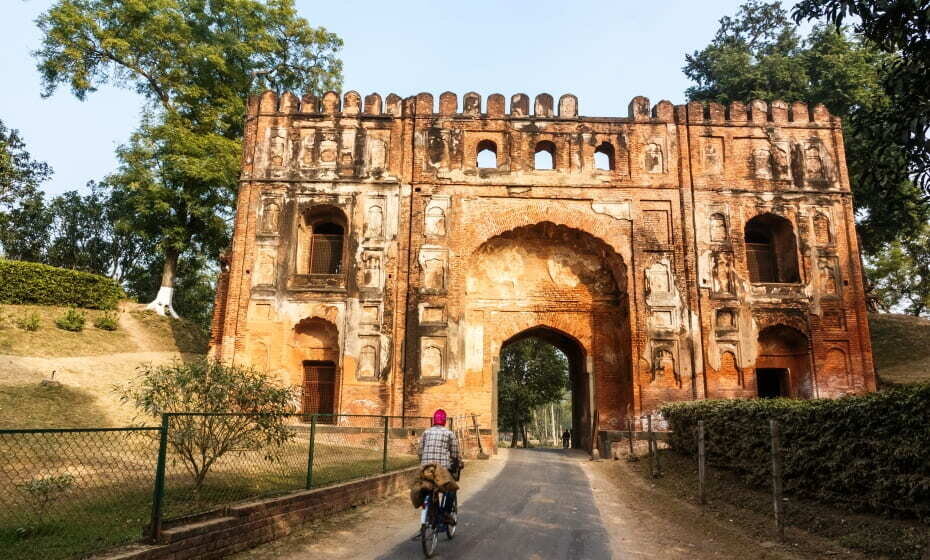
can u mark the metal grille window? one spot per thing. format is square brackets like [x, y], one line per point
[326, 249]
[319, 393]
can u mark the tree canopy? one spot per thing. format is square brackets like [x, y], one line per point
[759, 53]
[532, 373]
[20, 174]
[194, 62]
[900, 28]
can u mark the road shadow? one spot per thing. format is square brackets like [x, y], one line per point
[539, 506]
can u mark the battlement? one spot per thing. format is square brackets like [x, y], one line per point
[544, 107]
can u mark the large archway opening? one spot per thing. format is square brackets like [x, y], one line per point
[566, 288]
[543, 397]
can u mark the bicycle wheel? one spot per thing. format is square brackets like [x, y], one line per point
[429, 538]
[453, 520]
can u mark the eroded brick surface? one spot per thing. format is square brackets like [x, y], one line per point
[715, 256]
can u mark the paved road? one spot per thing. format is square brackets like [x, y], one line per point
[535, 504]
[539, 507]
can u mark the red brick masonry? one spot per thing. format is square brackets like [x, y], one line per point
[251, 524]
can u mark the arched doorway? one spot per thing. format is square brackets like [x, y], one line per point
[574, 381]
[315, 347]
[783, 365]
[568, 288]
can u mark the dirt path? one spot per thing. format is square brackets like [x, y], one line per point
[533, 504]
[140, 337]
[644, 522]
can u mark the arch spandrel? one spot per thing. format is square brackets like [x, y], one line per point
[611, 231]
[546, 261]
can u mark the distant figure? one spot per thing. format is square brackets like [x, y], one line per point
[566, 439]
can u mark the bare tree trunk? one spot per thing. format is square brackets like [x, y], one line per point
[515, 437]
[162, 304]
[555, 430]
[526, 442]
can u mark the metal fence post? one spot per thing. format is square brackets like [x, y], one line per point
[310, 451]
[632, 456]
[384, 457]
[158, 495]
[652, 450]
[777, 473]
[702, 499]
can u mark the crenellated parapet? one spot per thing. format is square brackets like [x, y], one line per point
[543, 106]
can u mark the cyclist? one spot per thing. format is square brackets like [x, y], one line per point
[439, 446]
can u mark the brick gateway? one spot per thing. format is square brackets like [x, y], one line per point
[385, 250]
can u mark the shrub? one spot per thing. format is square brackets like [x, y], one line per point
[73, 320]
[868, 452]
[214, 387]
[34, 283]
[106, 322]
[43, 492]
[28, 321]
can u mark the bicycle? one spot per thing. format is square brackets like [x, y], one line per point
[440, 514]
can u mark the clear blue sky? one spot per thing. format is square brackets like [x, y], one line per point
[604, 52]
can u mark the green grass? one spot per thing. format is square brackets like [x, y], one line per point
[901, 347]
[110, 518]
[113, 472]
[164, 334]
[38, 406]
[174, 334]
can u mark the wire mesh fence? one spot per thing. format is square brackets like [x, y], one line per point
[69, 493]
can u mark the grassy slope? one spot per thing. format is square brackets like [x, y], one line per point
[901, 345]
[87, 363]
[161, 334]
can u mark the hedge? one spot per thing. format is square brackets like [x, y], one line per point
[868, 452]
[40, 284]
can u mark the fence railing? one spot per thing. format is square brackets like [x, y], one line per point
[467, 429]
[71, 492]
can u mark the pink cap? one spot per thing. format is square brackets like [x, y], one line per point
[439, 417]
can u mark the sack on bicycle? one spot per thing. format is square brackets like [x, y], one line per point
[432, 477]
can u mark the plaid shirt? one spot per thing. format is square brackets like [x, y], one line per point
[438, 446]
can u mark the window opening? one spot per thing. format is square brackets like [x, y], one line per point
[545, 156]
[487, 155]
[604, 157]
[326, 249]
[771, 252]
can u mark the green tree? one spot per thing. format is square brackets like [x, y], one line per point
[259, 406]
[24, 229]
[87, 233]
[760, 54]
[901, 272]
[900, 28]
[20, 175]
[194, 61]
[532, 373]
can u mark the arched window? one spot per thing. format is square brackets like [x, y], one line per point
[771, 250]
[545, 156]
[326, 248]
[487, 155]
[604, 157]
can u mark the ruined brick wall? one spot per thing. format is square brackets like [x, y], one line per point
[712, 242]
